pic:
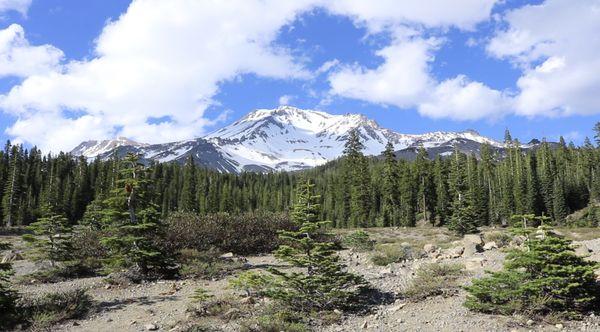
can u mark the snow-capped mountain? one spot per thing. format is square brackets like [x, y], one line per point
[285, 138]
[96, 148]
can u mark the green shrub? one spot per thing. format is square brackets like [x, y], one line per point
[58, 274]
[359, 241]
[545, 277]
[206, 264]
[53, 308]
[243, 234]
[282, 320]
[392, 253]
[434, 279]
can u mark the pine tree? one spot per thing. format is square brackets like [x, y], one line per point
[559, 203]
[133, 223]
[390, 196]
[12, 191]
[322, 282]
[188, 191]
[544, 277]
[359, 182]
[8, 297]
[53, 238]
[464, 215]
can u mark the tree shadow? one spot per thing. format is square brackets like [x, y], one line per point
[118, 304]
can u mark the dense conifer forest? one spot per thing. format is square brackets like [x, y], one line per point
[460, 191]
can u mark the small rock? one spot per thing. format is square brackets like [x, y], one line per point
[365, 325]
[474, 263]
[430, 248]
[397, 307]
[132, 322]
[582, 250]
[559, 326]
[75, 324]
[151, 327]
[530, 322]
[227, 255]
[107, 287]
[490, 245]
[387, 271]
[337, 312]
[456, 252]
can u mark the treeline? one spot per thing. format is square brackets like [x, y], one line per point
[355, 191]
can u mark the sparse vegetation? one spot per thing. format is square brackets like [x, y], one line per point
[434, 279]
[359, 240]
[47, 310]
[392, 253]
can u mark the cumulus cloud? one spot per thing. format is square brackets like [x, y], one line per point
[18, 58]
[462, 99]
[159, 59]
[383, 14]
[556, 46]
[402, 80]
[20, 6]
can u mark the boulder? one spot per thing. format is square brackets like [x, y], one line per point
[227, 255]
[490, 245]
[473, 238]
[471, 249]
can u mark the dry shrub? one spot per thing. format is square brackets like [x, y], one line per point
[243, 234]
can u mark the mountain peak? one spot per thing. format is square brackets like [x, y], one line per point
[287, 138]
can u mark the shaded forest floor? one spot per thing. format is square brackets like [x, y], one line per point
[166, 305]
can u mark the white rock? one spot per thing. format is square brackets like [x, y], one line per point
[227, 255]
[151, 327]
[473, 238]
[430, 248]
[490, 245]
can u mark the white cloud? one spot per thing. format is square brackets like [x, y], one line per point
[462, 99]
[159, 59]
[18, 58]
[166, 59]
[20, 6]
[285, 100]
[382, 14]
[556, 45]
[402, 80]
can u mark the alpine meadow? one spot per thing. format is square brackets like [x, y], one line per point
[268, 165]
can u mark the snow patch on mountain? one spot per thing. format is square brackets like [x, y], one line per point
[285, 138]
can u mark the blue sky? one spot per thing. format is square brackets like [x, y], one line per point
[159, 71]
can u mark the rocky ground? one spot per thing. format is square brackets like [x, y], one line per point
[163, 305]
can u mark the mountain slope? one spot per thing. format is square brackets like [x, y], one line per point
[285, 138]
